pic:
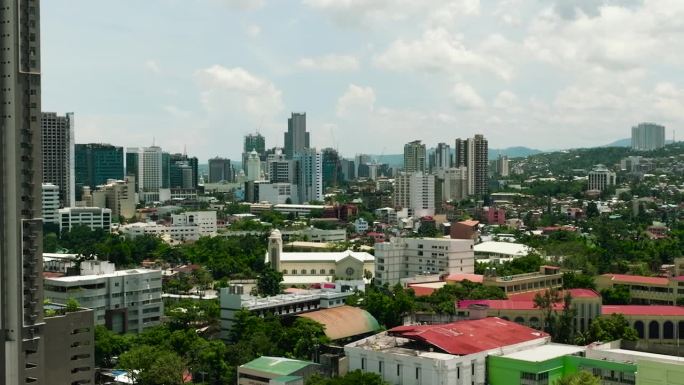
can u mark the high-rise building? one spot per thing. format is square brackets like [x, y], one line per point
[253, 166]
[147, 165]
[348, 170]
[280, 170]
[253, 142]
[361, 160]
[332, 168]
[309, 175]
[296, 137]
[502, 168]
[601, 178]
[442, 156]
[21, 164]
[97, 163]
[58, 155]
[414, 157]
[183, 171]
[648, 136]
[50, 203]
[416, 192]
[454, 183]
[117, 195]
[473, 153]
[220, 170]
[166, 169]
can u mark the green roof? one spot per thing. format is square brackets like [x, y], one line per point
[276, 365]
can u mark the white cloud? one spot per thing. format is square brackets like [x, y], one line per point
[356, 100]
[466, 97]
[331, 62]
[247, 5]
[253, 30]
[506, 100]
[223, 88]
[438, 51]
[176, 112]
[152, 66]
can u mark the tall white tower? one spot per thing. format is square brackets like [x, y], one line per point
[275, 249]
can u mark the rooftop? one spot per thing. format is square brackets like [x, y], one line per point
[118, 273]
[545, 352]
[504, 248]
[469, 336]
[427, 288]
[619, 278]
[458, 277]
[344, 321]
[276, 365]
[643, 310]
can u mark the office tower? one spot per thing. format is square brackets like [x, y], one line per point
[442, 156]
[132, 156]
[648, 136]
[414, 157]
[220, 170]
[473, 153]
[255, 142]
[183, 171]
[253, 166]
[454, 184]
[332, 168]
[296, 137]
[348, 169]
[280, 170]
[91, 217]
[309, 175]
[502, 166]
[146, 165]
[360, 160]
[600, 178]
[21, 164]
[58, 155]
[96, 164]
[416, 192]
[50, 203]
[166, 170]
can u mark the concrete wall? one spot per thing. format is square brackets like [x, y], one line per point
[70, 348]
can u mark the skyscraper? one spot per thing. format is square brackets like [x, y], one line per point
[58, 155]
[648, 136]
[132, 156]
[414, 157]
[332, 168]
[296, 137]
[147, 169]
[220, 170]
[416, 192]
[309, 175]
[183, 171]
[253, 142]
[253, 166]
[96, 163]
[21, 162]
[502, 166]
[473, 153]
[442, 156]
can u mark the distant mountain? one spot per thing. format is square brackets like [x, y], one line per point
[627, 142]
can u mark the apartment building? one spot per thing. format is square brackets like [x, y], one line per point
[407, 257]
[69, 345]
[59, 154]
[50, 203]
[123, 300]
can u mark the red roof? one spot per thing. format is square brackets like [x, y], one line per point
[643, 310]
[679, 278]
[574, 293]
[470, 336]
[503, 304]
[469, 222]
[637, 279]
[422, 291]
[458, 277]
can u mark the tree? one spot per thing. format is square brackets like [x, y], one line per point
[572, 280]
[546, 302]
[269, 282]
[72, 305]
[109, 345]
[148, 365]
[592, 210]
[579, 378]
[565, 329]
[605, 329]
[618, 295]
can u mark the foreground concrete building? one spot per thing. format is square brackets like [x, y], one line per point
[69, 345]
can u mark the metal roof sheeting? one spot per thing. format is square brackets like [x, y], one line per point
[344, 321]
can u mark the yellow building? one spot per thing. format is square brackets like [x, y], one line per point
[645, 290]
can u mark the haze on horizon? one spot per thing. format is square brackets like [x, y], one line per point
[370, 74]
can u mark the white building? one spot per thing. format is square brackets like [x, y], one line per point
[648, 136]
[386, 215]
[415, 191]
[406, 257]
[50, 203]
[253, 166]
[205, 221]
[600, 178]
[123, 300]
[455, 186]
[277, 193]
[453, 354]
[149, 171]
[500, 251]
[360, 225]
[59, 165]
[93, 217]
[310, 175]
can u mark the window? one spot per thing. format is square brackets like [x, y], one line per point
[363, 363]
[322, 271]
[380, 367]
[285, 272]
[313, 271]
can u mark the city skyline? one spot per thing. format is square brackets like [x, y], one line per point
[531, 71]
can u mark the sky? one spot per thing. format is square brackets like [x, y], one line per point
[370, 74]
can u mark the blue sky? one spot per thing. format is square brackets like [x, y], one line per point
[371, 74]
